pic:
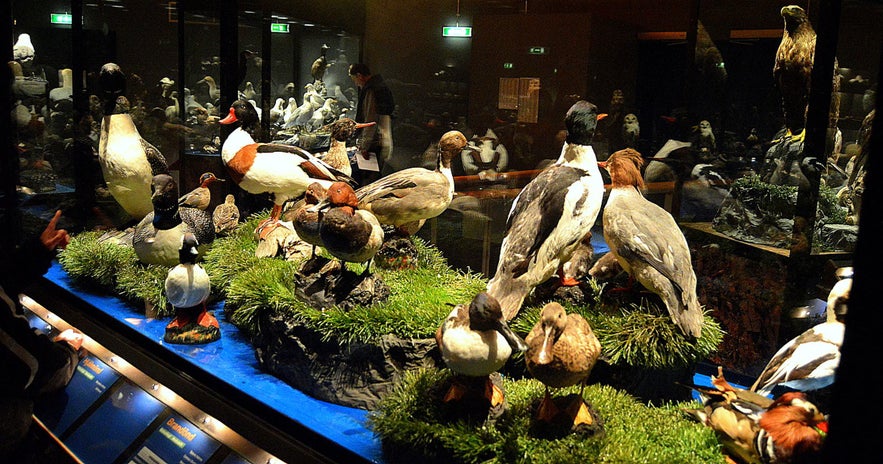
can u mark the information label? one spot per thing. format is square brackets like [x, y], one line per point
[176, 440]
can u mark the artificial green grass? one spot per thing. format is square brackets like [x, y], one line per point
[413, 424]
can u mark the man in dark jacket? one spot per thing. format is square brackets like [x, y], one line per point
[33, 364]
[375, 104]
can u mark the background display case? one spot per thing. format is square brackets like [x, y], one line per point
[697, 77]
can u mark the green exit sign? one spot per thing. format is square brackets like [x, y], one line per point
[456, 31]
[281, 28]
[507, 65]
[538, 50]
[61, 18]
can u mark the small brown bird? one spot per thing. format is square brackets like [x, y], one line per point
[561, 352]
[305, 220]
[336, 156]
[349, 234]
[226, 216]
[201, 196]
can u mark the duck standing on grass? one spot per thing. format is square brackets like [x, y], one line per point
[341, 131]
[201, 196]
[226, 215]
[561, 352]
[187, 288]
[128, 162]
[285, 171]
[407, 198]
[648, 243]
[550, 215]
[349, 234]
[475, 341]
[306, 220]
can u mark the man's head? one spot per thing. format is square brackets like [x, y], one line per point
[359, 73]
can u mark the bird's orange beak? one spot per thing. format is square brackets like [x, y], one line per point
[600, 116]
[230, 119]
[363, 125]
[602, 164]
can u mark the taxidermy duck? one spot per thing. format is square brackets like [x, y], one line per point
[550, 215]
[285, 171]
[561, 352]
[341, 131]
[407, 198]
[225, 217]
[306, 218]
[475, 341]
[756, 429]
[320, 64]
[187, 288]
[648, 243]
[127, 161]
[809, 361]
[577, 268]
[157, 237]
[201, 196]
[349, 234]
[214, 92]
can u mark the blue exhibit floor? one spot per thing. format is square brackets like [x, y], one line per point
[232, 360]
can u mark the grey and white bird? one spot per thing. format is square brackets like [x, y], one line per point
[631, 130]
[550, 215]
[648, 243]
[809, 361]
[187, 287]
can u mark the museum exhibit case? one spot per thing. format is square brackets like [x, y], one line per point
[587, 239]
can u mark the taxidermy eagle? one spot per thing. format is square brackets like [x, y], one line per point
[793, 67]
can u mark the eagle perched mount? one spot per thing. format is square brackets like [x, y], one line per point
[793, 67]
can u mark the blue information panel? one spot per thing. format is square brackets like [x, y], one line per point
[176, 440]
[234, 458]
[37, 323]
[108, 431]
[89, 382]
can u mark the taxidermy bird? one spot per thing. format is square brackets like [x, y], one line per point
[23, 50]
[317, 69]
[577, 267]
[127, 161]
[705, 143]
[201, 196]
[349, 234]
[793, 67]
[284, 171]
[277, 111]
[341, 131]
[322, 114]
[550, 215]
[561, 352]
[809, 361]
[214, 92]
[248, 93]
[631, 130]
[407, 198]
[756, 429]
[226, 215]
[485, 154]
[187, 288]
[475, 341]
[157, 238]
[306, 218]
[648, 243]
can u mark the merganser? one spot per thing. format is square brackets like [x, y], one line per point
[475, 341]
[306, 221]
[407, 198]
[349, 234]
[285, 171]
[550, 215]
[128, 162]
[157, 238]
[809, 361]
[648, 244]
[187, 288]
[226, 215]
[341, 131]
[561, 352]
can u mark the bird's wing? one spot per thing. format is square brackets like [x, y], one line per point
[156, 159]
[392, 184]
[313, 166]
[796, 359]
[649, 234]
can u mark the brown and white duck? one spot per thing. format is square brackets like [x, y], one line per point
[226, 215]
[341, 131]
[201, 196]
[561, 352]
[475, 341]
[187, 287]
[284, 171]
[648, 243]
[551, 214]
[349, 234]
[407, 198]
[306, 219]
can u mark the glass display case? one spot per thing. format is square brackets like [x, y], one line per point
[758, 152]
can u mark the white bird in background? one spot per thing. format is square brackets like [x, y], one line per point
[23, 50]
[248, 93]
[277, 112]
[631, 130]
[214, 92]
[322, 114]
[257, 108]
[706, 137]
[809, 361]
[288, 112]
